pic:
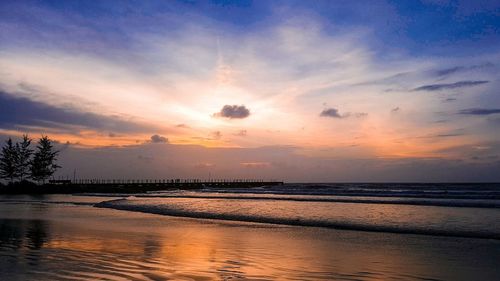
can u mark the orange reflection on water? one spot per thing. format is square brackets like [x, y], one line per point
[64, 241]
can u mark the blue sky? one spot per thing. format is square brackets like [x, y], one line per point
[320, 83]
[418, 27]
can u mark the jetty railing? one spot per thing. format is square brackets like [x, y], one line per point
[157, 184]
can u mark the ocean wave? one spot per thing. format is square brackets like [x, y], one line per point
[398, 201]
[124, 204]
[448, 194]
[404, 190]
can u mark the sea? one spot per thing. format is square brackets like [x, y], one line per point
[462, 210]
[303, 231]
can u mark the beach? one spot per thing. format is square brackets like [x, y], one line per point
[64, 237]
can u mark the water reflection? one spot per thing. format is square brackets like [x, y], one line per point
[15, 233]
[11, 233]
[61, 241]
[36, 234]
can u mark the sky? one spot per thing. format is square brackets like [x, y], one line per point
[300, 91]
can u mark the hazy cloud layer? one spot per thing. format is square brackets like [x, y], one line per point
[177, 161]
[456, 85]
[233, 112]
[479, 111]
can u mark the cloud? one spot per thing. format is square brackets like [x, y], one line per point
[233, 112]
[216, 135]
[448, 71]
[334, 113]
[479, 111]
[449, 135]
[360, 114]
[457, 69]
[282, 71]
[241, 133]
[255, 164]
[396, 109]
[452, 133]
[456, 85]
[204, 165]
[330, 112]
[19, 111]
[158, 139]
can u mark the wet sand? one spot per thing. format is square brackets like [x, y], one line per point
[40, 241]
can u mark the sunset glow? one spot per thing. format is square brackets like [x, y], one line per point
[328, 86]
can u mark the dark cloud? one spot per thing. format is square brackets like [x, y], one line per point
[452, 70]
[330, 112]
[449, 135]
[334, 113]
[396, 109]
[158, 139]
[17, 111]
[456, 85]
[448, 71]
[479, 111]
[233, 112]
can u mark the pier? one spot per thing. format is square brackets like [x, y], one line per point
[134, 185]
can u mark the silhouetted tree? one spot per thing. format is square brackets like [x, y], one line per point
[24, 153]
[8, 161]
[44, 160]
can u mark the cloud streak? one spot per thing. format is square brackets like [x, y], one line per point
[456, 85]
[18, 111]
[479, 111]
[457, 69]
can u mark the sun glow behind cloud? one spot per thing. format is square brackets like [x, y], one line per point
[285, 73]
